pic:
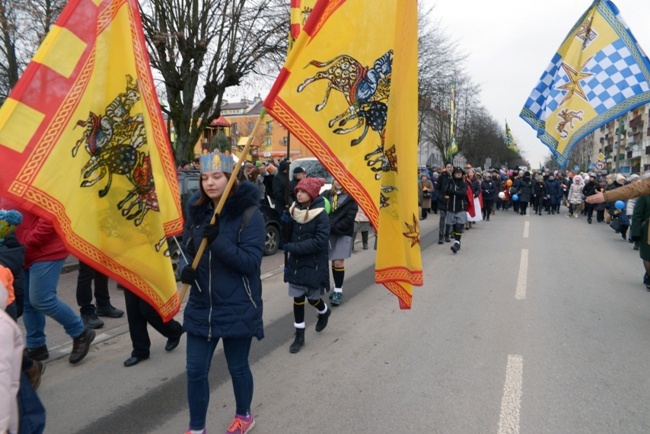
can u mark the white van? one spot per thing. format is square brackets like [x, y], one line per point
[314, 169]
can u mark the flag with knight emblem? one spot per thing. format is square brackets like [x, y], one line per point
[598, 73]
[349, 97]
[84, 145]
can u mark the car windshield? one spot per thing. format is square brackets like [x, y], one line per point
[314, 169]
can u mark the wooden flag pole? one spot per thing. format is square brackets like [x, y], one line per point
[224, 196]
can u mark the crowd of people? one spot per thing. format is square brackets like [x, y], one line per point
[225, 298]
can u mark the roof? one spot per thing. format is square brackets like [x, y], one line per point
[220, 122]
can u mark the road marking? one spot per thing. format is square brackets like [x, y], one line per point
[520, 294]
[526, 229]
[511, 402]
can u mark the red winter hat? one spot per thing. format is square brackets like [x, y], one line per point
[311, 186]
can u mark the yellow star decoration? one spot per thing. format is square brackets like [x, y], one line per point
[413, 231]
[573, 86]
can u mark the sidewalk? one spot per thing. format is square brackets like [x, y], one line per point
[60, 344]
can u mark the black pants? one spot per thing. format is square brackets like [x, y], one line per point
[424, 213]
[139, 313]
[600, 215]
[589, 209]
[522, 207]
[85, 291]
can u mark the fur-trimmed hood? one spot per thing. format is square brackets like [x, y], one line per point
[246, 194]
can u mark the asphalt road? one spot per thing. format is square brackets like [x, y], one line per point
[538, 325]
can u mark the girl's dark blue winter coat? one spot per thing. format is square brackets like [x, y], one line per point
[342, 218]
[307, 264]
[229, 301]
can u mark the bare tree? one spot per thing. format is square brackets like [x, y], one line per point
[23, 26]
[203, 47]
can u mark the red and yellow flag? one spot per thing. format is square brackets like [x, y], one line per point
[300, 10]
[83, 144]
[351, 97]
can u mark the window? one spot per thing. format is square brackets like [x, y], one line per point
[234, 129]
[269, 127]
[251, 125]
[268, 142]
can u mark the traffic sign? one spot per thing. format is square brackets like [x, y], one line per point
[600, 165]
[576, 167]
[592, 166]
[601, 157]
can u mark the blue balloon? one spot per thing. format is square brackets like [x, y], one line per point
[515, 197]
[619, 204]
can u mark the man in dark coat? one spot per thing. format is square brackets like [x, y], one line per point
[443, 180]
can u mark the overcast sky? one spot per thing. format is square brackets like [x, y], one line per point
[511, 42]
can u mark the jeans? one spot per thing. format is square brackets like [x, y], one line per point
[85, 291]
[41, 279]
[199, 358]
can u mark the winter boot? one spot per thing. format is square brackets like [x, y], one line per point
[298, 342]
[455, 247]
[322, 320]
[440, 238]
[447, 238]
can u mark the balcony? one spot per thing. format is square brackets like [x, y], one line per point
[636, 121]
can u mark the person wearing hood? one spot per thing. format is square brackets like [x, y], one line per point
[225, 301]
[554, 193]
[11, 342]
[575, 196]
[306, 271]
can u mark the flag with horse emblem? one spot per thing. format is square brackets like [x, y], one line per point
[351, 97]
[598, 73]
[84, 145]
[510, 141]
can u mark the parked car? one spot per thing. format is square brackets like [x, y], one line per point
[188, 183]
[314, 169]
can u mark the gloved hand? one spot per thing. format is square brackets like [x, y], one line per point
[287, 247]
[286, 217]
[188, 275]
[286, 269]
[211, 231]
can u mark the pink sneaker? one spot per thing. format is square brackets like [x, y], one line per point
[241, 424]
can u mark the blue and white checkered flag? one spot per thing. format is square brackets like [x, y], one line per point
[598, 73]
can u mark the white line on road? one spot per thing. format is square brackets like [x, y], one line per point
[511, 402]
[526, 229]
[520, 294]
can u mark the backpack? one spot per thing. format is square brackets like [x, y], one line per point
[246, 219]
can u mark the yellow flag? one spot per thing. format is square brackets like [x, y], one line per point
[83, 144]
[349, 96]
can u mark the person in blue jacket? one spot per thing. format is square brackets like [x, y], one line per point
[225, 301]
[306, 272]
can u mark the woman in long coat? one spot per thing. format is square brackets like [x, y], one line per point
[425, 189]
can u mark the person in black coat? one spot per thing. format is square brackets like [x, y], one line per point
[539, 194]
[457, 205]
[444, 178]
[306, 271]
[590, 189]
[342, 215]
[490, 189]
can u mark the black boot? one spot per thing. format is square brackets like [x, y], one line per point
[298, 342]
[322, 320]
[646, 281]
[447, 238]
[440, 238]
